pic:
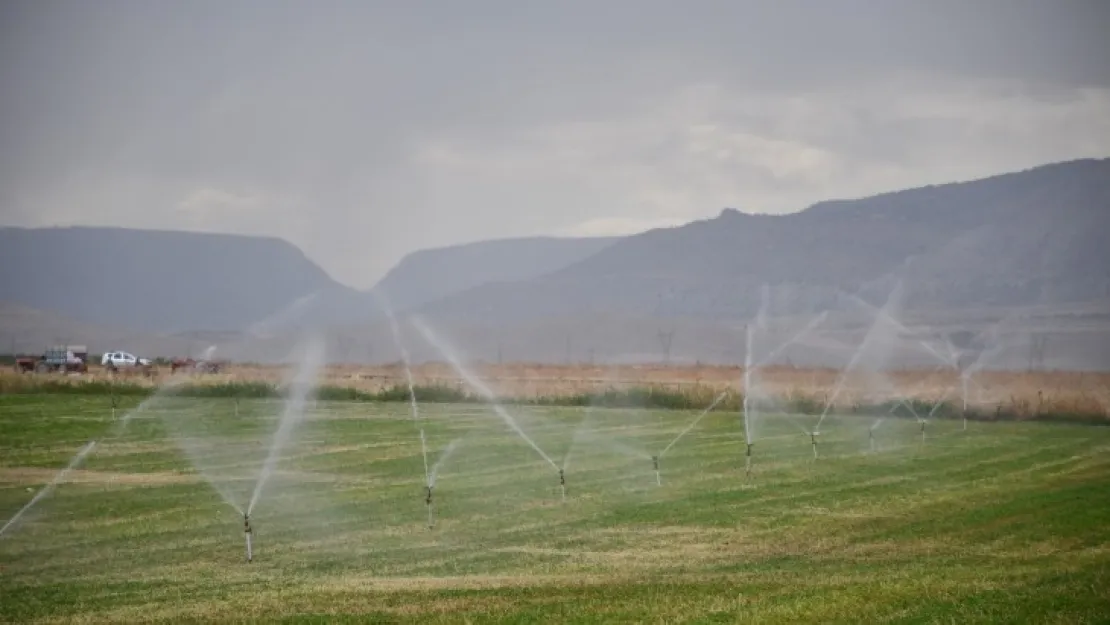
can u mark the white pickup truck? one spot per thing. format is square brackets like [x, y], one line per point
[122, 359]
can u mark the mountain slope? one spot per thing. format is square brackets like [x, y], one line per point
[1023, 238]
[429, 275]
[156, 280]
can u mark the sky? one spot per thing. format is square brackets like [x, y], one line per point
[364, 130]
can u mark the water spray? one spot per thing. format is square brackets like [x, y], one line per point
[563, 484]
[49, 488]
[247, 533]
[655, 464]
[476, 384]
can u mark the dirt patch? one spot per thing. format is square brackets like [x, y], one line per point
[32, 476]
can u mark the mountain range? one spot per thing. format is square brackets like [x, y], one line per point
[1034, 238]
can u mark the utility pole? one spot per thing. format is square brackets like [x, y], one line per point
[1037, 344]
[665, 340]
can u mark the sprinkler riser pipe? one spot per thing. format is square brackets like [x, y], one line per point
[247, 534]
[428, 503]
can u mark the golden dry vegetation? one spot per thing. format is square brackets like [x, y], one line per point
[1018, 392]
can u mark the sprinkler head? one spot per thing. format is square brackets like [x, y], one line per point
[748, 453]
[246, 524]
[655, 462]
[562, 478]
[428, 497]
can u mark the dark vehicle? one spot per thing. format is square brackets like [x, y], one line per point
[64, 358]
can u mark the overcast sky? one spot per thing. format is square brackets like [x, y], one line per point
[364, 130]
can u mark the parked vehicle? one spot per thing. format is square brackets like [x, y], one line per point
[66, 358]
[116, 360]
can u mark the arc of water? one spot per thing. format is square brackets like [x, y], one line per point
[749, 340]
[406, 363]
[748, 387]
[450, 449]
[694, 422]
[477, 385]
[294, 410]
[49, 488]
[813, 323]
[867, 340]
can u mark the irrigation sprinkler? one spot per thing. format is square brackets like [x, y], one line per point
[428, 503]
[748, 461]
[655, 464]
[247, 533]
[871, 438]
[115, 404]
[923, 431]
[813, 441]
[563, 484]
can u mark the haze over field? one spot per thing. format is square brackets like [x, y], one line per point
[490, 169]
[489, 311]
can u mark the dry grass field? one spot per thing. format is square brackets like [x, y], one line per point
[1016, 392]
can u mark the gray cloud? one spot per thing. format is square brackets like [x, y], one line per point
[361, 131]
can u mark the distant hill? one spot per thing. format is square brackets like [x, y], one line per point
[172, 282]
[1027, 238]
[26, 330]
[158, 281]
[429, 275]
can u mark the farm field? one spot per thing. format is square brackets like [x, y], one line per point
[1002, 522]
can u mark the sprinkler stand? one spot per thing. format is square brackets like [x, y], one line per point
[813, 441]
[247, 533]
[563, 484]
[922, 431]
[748, 461]
[428, 503]
[871, 438]
[655, 464]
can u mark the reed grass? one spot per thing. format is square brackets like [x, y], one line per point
[654, 396]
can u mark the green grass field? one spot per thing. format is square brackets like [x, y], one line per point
[1004, 522]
